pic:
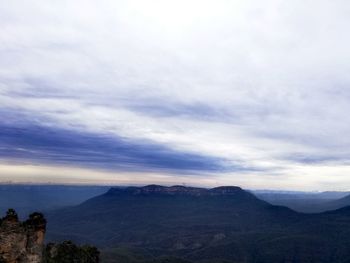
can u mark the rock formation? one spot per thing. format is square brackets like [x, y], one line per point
[22, 241]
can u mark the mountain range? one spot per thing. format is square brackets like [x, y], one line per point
[306, 202]
[25, 198]
[223, 224]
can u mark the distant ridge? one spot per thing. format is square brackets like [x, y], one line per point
[339, 203]
[179, 190]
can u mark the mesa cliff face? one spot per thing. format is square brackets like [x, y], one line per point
[180, 190]
[22, 241]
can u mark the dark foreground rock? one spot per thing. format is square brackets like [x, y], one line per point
[23, 242]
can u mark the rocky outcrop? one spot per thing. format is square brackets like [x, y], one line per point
[22, 242]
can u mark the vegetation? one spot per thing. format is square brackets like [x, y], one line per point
[68, 252]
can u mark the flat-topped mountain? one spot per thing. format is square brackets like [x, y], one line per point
[180, 190]
[222, 224]
[176, 220]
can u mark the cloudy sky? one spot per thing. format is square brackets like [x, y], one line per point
[222, 92]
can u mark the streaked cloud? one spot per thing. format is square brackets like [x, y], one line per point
[242, 92]
[46, 145]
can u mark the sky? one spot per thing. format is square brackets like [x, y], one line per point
[197, 92]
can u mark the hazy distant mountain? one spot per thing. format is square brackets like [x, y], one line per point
[305, 202]
[339, 203]
[28, 198]
[202, 225]
[280, 194]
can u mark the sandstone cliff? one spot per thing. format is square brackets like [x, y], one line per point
[22, 242]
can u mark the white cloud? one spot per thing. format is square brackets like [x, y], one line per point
[274, 73]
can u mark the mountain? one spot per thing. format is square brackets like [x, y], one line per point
[27, 198]
[223, 224]
[281, 194]
[186, 224]
[338, 203]
[196, 224]
[156, 215]
[305, 202]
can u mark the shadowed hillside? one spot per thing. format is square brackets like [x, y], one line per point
[225, 223]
